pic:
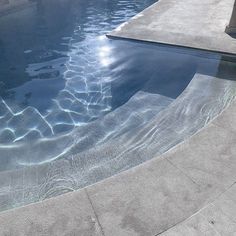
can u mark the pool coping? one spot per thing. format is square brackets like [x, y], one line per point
[189, 189]
[173, 22]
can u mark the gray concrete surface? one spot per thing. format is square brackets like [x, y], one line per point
[189, 23]
[71, 214]
[217, 218]
[192, 184]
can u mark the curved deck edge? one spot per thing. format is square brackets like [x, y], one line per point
[185, 23]
[148, 199]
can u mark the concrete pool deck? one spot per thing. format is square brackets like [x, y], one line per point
[190, 190]
[188, 23]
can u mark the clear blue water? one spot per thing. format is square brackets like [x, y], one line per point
[88, 106]
[55, 62]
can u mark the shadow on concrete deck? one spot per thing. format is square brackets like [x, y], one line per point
[231, 28]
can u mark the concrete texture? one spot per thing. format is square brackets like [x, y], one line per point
[188, 23]
[192, 184]
[59, 216]
[217, 218]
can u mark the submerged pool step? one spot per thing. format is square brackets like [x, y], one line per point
[203, 99]
[138, 110]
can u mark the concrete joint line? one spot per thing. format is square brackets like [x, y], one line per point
[183, 172]
[96, 216]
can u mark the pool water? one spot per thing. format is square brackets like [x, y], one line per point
[77, 107]
[55, 59]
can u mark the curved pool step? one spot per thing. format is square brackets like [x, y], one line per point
[138, 110]
[150, 198]
[131, 115]
[204, 98]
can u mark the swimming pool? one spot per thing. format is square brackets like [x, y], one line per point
[77, 107]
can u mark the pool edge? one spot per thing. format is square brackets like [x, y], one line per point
[164, 178]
